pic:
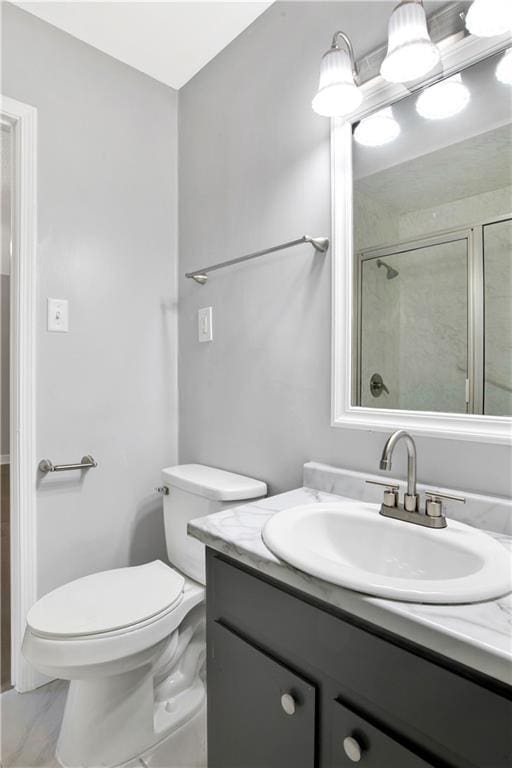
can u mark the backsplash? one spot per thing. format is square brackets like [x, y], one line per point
[491, 513]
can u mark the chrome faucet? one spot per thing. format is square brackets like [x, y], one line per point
[411, 498]
[409, 511]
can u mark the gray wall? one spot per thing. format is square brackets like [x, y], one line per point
[107, 242]
[254, 171]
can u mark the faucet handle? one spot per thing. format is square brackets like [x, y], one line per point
[391, 486]
[390, 493]
[437, 495]
[434, 505]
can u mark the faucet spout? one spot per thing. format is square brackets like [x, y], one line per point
[411, 497]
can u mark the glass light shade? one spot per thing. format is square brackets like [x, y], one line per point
[504, 68]
[411, 52]
[337, 95]
[378, 129]
[487, 18]
[444, 99]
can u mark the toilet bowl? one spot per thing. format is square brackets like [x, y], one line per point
[132, 640]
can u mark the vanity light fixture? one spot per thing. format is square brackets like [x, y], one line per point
[338, 94]
[411, 53]
[444, 99]
[378, 129]
[504, 68]
[487, 18]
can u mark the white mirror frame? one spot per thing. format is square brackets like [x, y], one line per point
[377, 94]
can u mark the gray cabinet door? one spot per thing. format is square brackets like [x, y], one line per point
[247, 724]
[355, 740]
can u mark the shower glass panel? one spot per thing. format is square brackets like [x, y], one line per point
[414, 326]
[497, 241]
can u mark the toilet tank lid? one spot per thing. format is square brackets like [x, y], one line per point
[212, 483]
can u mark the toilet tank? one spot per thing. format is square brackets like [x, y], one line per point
[195, 491]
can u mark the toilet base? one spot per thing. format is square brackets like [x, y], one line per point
[109, 721]
[167, 719]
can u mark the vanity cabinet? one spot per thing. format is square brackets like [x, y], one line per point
[294, 683]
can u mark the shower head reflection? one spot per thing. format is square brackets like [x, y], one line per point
[390, 271]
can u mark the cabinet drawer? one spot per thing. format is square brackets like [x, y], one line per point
[356, 741]
[247, 724]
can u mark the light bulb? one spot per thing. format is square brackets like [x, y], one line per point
[378, 129]
[411, 52]
[487, 18]
[504, 68]
[337, 95]
[444, 99]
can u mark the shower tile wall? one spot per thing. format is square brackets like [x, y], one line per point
[375, 225]
[414, 329]
[433, 328]
[497, 275]
[380, 336]
[458, 213]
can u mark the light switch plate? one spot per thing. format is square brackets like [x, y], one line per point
[204, 324]
[58, 316]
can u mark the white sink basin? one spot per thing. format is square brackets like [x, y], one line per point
[352, 545]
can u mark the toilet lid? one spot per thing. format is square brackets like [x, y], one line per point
[106, 601]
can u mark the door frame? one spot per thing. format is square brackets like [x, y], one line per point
[23, 503]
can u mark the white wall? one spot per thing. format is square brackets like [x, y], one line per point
[107, 170]
[5, 283]
[254, 171]
[5, 200]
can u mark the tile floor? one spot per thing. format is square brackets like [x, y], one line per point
[30, 725]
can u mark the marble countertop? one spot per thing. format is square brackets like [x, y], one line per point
[477, 635]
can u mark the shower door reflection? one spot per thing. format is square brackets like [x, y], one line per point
[413, 326]
[497, 255]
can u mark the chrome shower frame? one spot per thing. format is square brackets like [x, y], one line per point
[474, 236]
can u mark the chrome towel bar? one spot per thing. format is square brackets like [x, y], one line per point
[320, 244]
[86, 462]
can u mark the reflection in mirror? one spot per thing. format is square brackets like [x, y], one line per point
[497, 252]
[433, 249]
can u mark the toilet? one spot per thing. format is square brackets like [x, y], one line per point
[132, 640]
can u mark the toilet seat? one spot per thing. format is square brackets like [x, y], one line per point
[78, 656]
[108, 602]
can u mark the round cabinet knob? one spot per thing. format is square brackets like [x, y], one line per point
[288, 703]
[352, 749]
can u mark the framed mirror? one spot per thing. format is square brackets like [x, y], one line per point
[422, 263]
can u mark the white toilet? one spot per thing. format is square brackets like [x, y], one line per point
[131, 640]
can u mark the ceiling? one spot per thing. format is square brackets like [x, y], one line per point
[170, 41]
